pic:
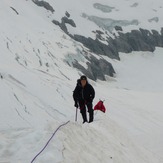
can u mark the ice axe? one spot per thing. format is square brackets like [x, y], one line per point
[76, 114]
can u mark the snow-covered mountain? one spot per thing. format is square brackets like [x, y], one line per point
[46, 46]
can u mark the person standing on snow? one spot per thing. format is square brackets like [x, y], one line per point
[83, 95]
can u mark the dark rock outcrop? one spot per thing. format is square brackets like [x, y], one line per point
[137, 40]
[65, 20]
[118, 28]
[97, 47]
[44, 4]
[97, 69]
[67, 14]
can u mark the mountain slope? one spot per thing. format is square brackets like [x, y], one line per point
[40, 63]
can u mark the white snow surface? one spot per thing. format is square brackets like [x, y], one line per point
[36, 86]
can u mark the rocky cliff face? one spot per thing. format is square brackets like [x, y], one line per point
[136, 40]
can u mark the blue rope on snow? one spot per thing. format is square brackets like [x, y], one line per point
[49, 140]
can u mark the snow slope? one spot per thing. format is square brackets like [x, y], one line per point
[36, 86]
[147, 13]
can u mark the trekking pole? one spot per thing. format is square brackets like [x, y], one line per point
[76, 114]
